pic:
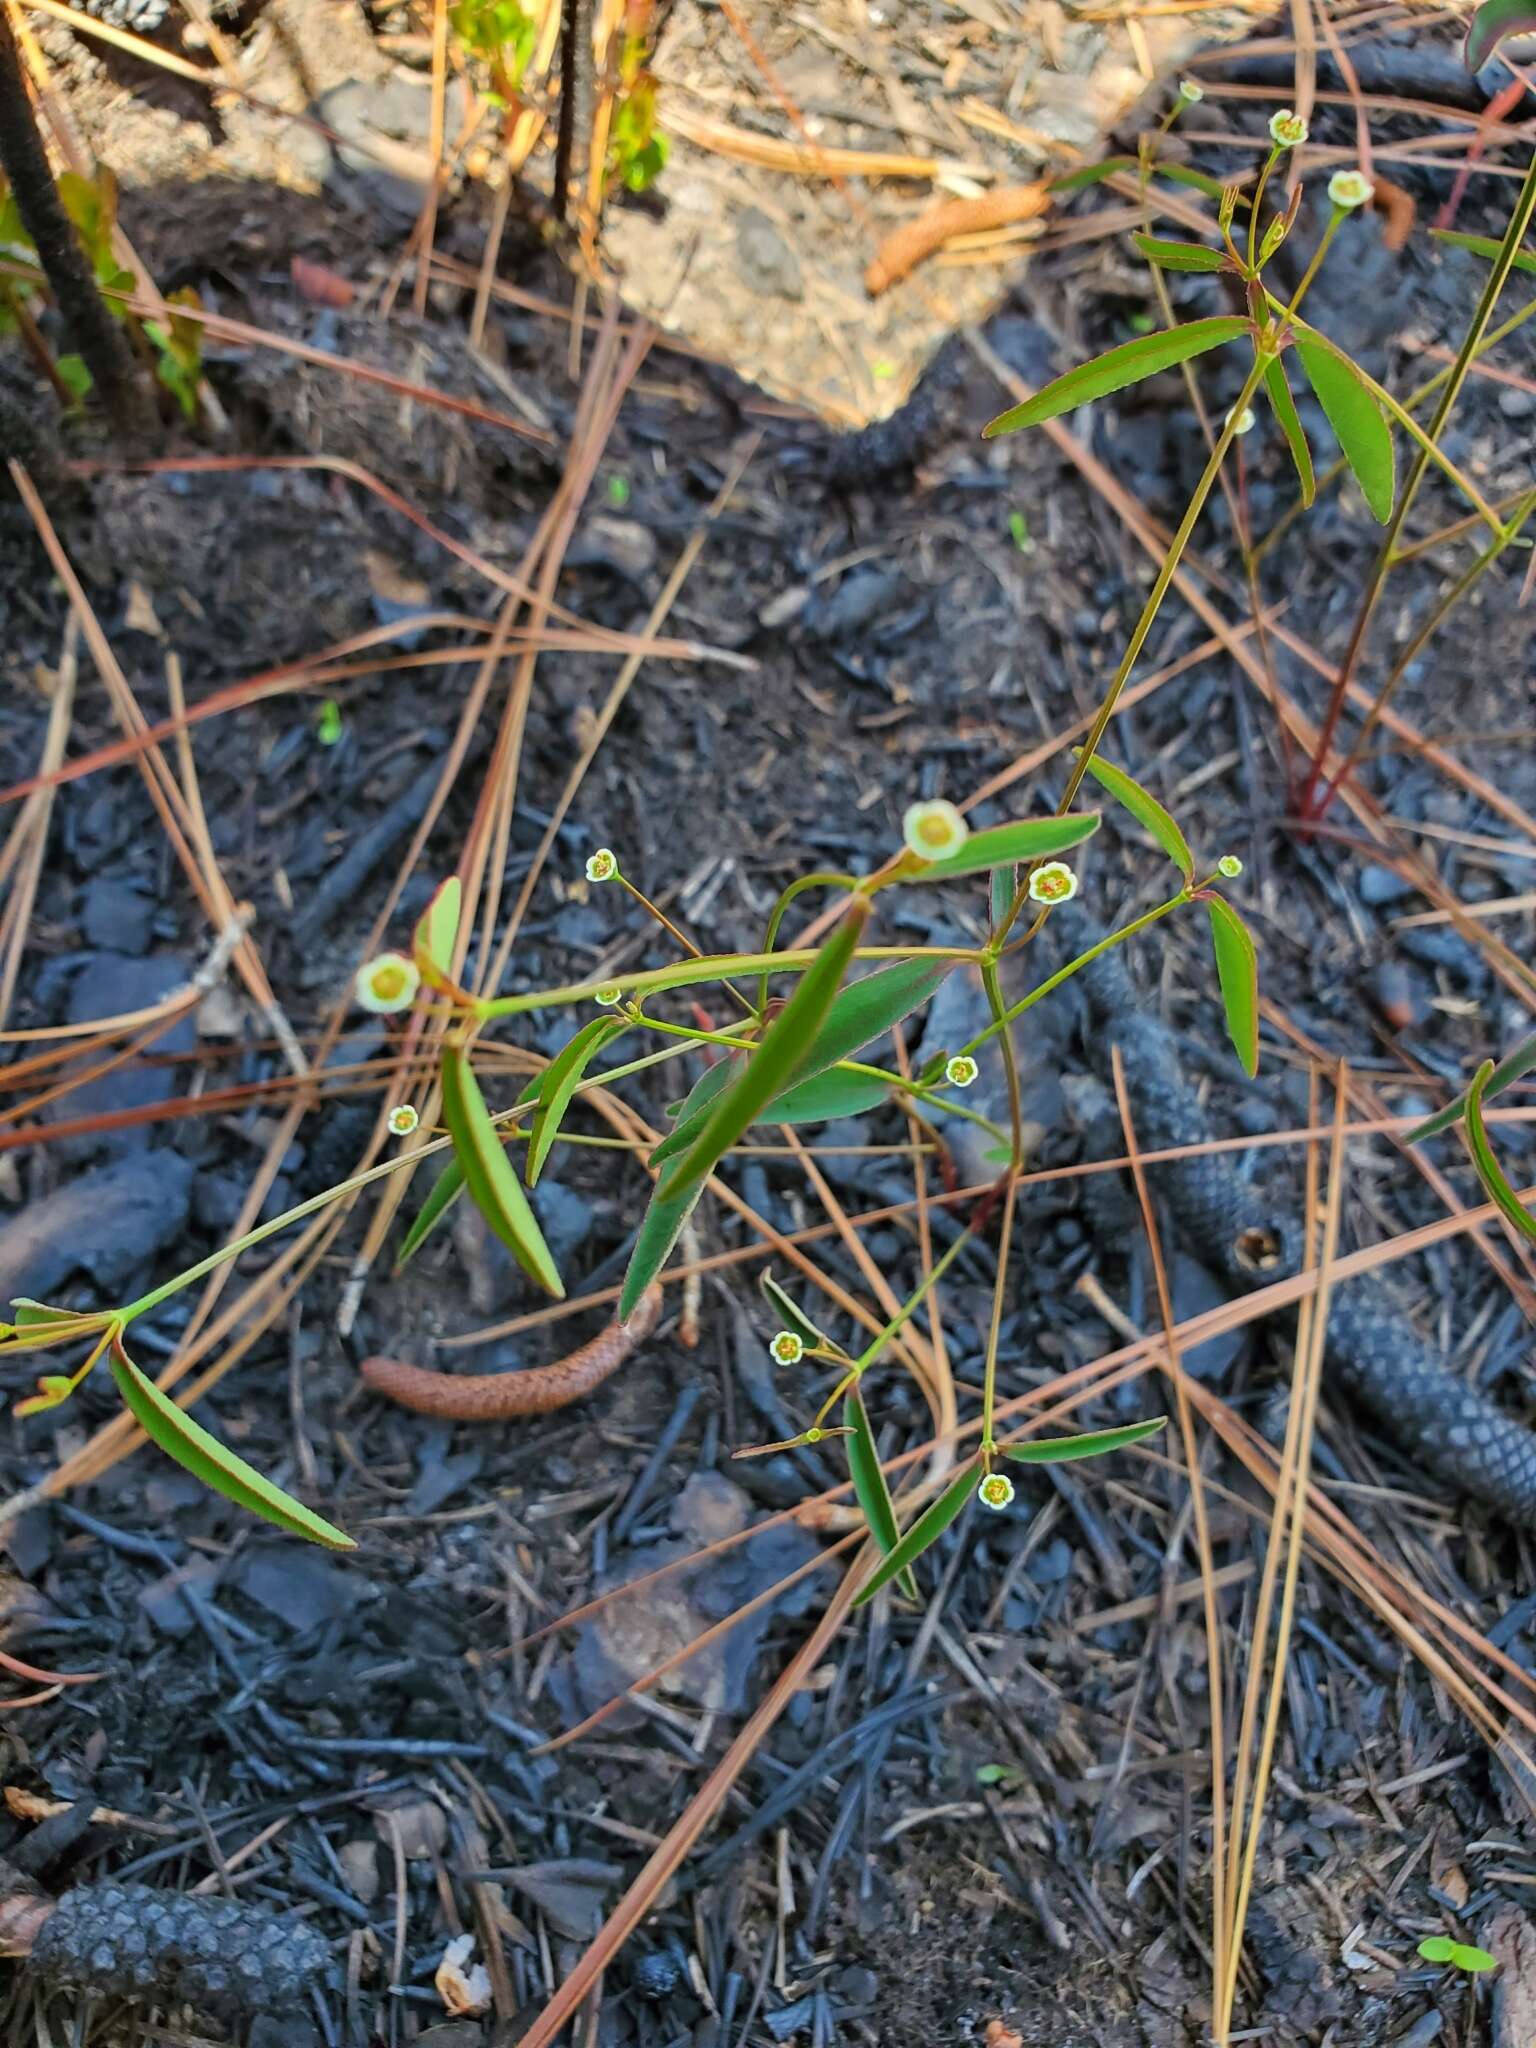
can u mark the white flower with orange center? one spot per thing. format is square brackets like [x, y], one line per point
[996, 1491]
[1053, 883]
[787, 1348]
[403, 1120]
[387, 983]
[1349, 189]
[603, 865]
[1287, 129]
[934, 830]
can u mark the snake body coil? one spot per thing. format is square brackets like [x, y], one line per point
[1372, 1350]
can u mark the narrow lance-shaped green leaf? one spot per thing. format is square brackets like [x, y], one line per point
[927, 1529]
[1118, 367]
[1237, 970]
[1144, 808]
[660, 1228]
[1002, 887]
[1493, 21]
[1092, 174]
[495, 1189]
[865, 1011]
[784, 1046]
[1279, 391]
[826, 1096]
[1489, 1172]
[693, 1111]
[1511, 1068]
[1062, 1450]
[212, 1462]
[558, 1084]
[792, 1315]
[1483, 245]
[441, 1196]
[436, 930]
[1200, 181]
[870, 1489]
[1000, 845]
[1179, 255]
[1356, 419]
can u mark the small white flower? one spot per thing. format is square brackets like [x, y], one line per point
[603, 865]
[609, 995]
[1230, 866]
[934, 830]
[403, 1120]
[1053, 883]
[961, 1070]
[387, 982]
[1190, 92]
[1244, 422]
[1349, 189]
[787, 1348]
[995, 1491]
[1287, 129]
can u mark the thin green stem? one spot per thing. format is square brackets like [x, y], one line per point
[1429, 451]
[1415, 398]
[712, 967]
[1310, 273]
[1054, 981]
[1149, 612]
[1466, 355]
[817, 881]
[1469, 578]
[1253, 210]
[675, 932]
[913, 1303]
[901, 1084]
[995, 1329]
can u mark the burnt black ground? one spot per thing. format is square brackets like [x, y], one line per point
[995, 1829]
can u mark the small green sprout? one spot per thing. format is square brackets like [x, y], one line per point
[328, 725]
[178, 345]
[618, 492]
[997, 1774]
[1018, 527]
[1460, 1955]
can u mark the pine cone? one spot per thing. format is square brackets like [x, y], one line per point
[219, 1956]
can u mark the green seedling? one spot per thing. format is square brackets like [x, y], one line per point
[1458, 1955]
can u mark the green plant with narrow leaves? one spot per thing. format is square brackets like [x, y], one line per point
[791, 1034]
[798, 1050]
